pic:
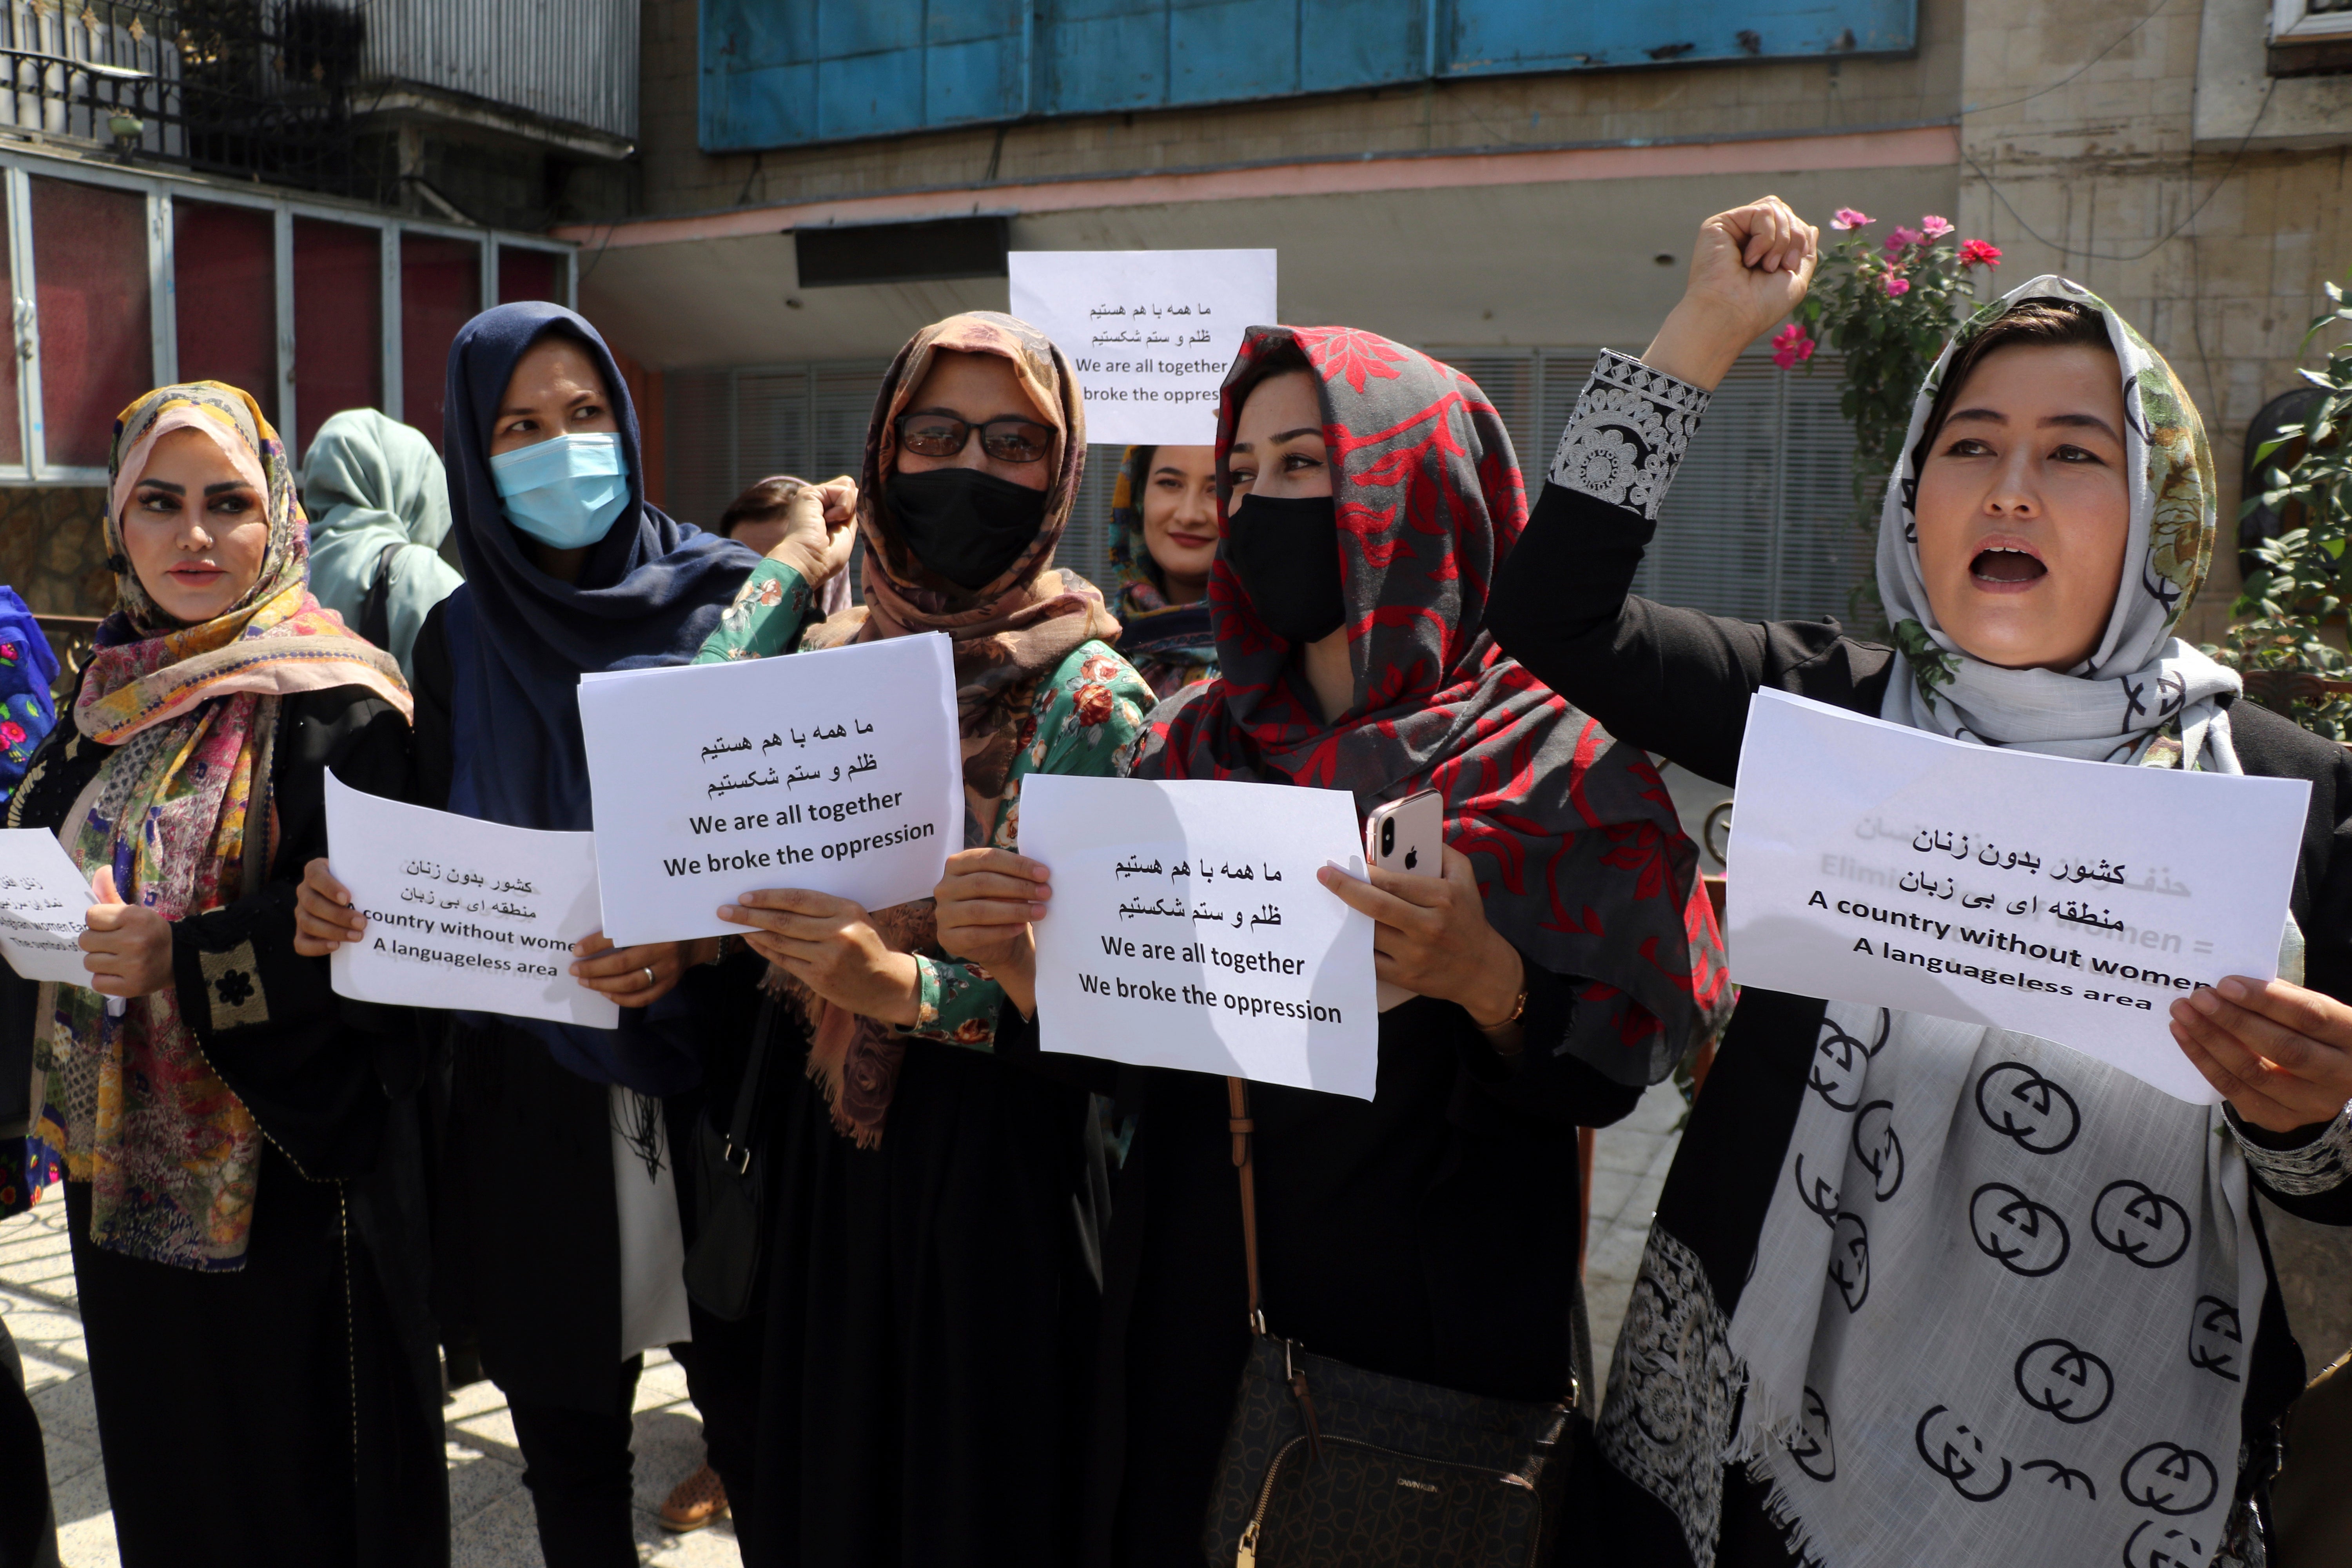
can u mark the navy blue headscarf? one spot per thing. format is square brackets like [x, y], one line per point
[651, 591]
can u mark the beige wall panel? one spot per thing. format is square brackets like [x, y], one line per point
[1566, 263]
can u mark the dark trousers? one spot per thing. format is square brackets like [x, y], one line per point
[28, 1535]
[577, 1467]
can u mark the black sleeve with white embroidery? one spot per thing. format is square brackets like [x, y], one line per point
[1629, 432]
[1673, 681]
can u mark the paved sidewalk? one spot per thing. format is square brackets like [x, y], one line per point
[490, 1509]
[1629, 1167]
[492, 1512]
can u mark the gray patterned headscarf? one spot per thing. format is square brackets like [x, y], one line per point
[2141, 683]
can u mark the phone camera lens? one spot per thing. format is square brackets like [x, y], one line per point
[1388, 835]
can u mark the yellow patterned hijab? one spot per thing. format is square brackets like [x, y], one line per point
[129, 1103]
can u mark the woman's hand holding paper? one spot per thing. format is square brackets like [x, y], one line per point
[984, 905]
[1430, 934]
[323, 917]
[128, 947]
[2280, 1054]
[830, 945]
[637, 976]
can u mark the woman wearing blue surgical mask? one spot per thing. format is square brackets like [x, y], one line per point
[559, 1247]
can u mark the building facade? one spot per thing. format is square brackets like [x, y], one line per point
[306, 202]
[1507, 184]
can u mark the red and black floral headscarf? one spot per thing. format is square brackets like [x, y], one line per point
[1582, 861]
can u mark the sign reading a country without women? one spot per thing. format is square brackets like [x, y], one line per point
[1875, 863]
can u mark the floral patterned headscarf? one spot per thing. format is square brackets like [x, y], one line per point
[2143, 694]
[1581, 859]
[1011, 635]
[191, 711]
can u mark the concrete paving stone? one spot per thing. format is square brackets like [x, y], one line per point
[503, 1535]
[80, 1500]
[479, 1479]
[1630, 1155]
[662, 1383]
[70, 1460]
[488, 1430]
[1609, 1192]
[471, 1400]
[67, 1409]
[1618, 1254]
[711, 1547]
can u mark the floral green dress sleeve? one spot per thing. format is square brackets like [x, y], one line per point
[765, 619]
[1091, 709]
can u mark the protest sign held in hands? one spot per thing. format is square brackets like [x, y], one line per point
[42, 896]
[462, 913]
[1187, 930]
[837, 772]
[1872, 862]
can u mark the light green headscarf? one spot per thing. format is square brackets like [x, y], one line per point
[370, 483]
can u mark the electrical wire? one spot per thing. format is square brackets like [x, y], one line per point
[2162, 241]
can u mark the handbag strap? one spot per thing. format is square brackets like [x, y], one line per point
[1242, 1130]
[737, 1151]
[1238, 1123]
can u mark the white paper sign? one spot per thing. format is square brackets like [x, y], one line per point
[1151, 332]
[837, 772]
[462, 913]
[1187, 930]
[1874, 863]
[42, 896]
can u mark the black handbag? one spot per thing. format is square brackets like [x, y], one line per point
[1326, 1463]
[722, 1267]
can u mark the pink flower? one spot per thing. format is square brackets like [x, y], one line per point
[12, 733]
[1977, 253]
[1934, 227]
[1898, 285]
[1903, 239]
[1849, 218]
[1791, 346]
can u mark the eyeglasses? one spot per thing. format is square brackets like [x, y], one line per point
[1008, 440]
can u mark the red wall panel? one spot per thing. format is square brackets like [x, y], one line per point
[226, 297]
[440, 291]
[338, 320]
[98, 347]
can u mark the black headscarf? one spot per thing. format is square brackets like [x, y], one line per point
[519, 640]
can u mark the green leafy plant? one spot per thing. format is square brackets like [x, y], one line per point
[1885, 307]
[2304, 582]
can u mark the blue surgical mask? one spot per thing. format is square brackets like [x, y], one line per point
[565, 491]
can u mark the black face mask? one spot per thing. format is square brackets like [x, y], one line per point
[963, 525]
[1285, 550]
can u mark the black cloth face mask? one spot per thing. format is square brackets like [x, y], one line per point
[963, 525]
[1286, 551]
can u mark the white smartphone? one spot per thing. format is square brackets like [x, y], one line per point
[1406, 835]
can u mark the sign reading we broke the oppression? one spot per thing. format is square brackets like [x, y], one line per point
[838, 772]
[1187, 930]
[1150, 334]
[2075, 900]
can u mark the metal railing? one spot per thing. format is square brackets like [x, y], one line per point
[238, 87]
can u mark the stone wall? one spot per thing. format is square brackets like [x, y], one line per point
[1483, 114]
[2217, 251]
[53, 551]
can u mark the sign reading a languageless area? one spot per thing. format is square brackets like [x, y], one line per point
[42, 896]
[1187, 930]
[1151, 333]
[462, 913]
[2075, 900]
[838, 772]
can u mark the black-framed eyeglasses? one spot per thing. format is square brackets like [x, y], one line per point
[1011, 439]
